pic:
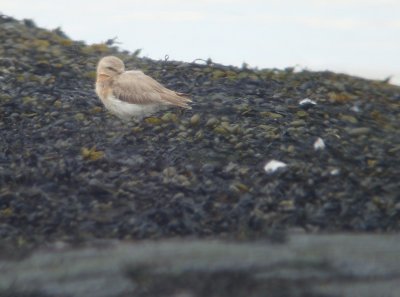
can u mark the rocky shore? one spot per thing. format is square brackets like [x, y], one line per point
[80, 190]
[71, 172]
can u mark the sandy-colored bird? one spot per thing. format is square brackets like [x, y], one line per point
[133, 94]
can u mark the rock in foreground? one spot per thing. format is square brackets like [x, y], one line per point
[307, 265]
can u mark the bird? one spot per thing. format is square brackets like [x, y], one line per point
[133, 94]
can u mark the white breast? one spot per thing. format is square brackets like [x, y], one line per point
[127, 111]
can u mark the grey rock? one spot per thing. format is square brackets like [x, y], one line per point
[306, 265]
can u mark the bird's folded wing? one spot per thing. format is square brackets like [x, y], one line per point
[138, 88]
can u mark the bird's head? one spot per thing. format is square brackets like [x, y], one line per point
[110, 66]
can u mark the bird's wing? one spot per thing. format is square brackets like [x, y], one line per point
[138, 88]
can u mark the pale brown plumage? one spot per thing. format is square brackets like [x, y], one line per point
[139, 88]
[132, 93]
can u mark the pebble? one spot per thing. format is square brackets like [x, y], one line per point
[358, 131]
[212, 122]
[195, 119]
[298, 123]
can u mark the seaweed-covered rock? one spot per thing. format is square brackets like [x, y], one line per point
[70, 171]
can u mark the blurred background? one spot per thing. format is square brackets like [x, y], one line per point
[357, 37]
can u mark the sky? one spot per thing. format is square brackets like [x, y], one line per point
[358, 37]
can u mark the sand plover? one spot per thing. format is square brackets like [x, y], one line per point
[133, 94]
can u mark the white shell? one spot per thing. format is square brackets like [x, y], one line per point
[307, 101]
[273, 165]
[319, 144]
[335, 171]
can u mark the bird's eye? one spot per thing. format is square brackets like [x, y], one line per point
[110, 68]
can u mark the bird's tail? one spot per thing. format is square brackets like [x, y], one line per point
[178, 99]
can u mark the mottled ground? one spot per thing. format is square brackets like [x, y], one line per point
[69, 171]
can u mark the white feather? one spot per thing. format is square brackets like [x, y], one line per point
[127, 111]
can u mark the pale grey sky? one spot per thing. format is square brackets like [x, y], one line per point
[360, 37]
